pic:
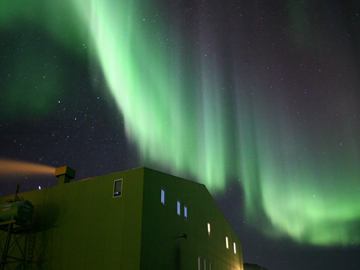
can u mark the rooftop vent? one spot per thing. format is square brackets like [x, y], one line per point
[64, 174]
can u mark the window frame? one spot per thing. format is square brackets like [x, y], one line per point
[121, 188]
[185, 212]
[178, 207]
[162, 191]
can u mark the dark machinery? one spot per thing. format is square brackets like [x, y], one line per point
[20, 211]
[15, 227]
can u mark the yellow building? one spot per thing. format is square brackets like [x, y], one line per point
[136, 219]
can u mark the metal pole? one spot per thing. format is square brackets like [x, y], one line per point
[6, 247]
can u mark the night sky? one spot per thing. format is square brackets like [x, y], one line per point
[258, 100]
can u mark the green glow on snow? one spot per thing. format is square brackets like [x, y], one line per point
[176, 113]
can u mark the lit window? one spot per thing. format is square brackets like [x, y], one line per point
[209, 229]
[227, 242]
[234, 244]
[178, 208]
[199, 263]
[117, 188]
[163, 196]
[185, 212]
[204, 264]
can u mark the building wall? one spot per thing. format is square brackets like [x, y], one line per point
[161, 246]
[81, 226]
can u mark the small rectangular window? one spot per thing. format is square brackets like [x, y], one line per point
[163, 196]
[208, 229]
[204, 264]
[227, 242]
[199, 263]
[117, 192]
[185, 212]
[178, 208]
[234, 244]
[210, 265]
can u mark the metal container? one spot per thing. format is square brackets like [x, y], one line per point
[21, 211]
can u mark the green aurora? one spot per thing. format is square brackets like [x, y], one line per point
[186, 114]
